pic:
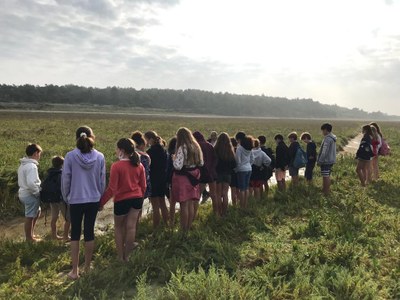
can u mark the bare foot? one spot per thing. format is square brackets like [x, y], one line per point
[72, 276]
[57, 238]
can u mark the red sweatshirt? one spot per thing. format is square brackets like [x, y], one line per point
[126, 182]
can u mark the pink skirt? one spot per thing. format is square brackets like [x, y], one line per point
[183, 190]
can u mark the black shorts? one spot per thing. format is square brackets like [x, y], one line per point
[122, 208]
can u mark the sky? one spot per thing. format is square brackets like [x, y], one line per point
[344, 52]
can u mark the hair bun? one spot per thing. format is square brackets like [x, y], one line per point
[83, 134]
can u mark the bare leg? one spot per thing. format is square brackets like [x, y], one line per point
[119, 226]
[34, 224]
[67, 226]
[130, 232]
[89, 248]
[219, 196]
[295, 180]
[28, 229]
[234, 196]
[213, 194]
[326, 186]
[360, 173]
[242, 199]
[53, 225]
[224, 204]
[164, 210]
[172, 204]
[155, 203]
[184, 207]
[257, 193]
[192, 210]
[266, 188]
[74, 274]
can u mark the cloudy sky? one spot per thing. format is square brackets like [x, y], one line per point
[335, 51]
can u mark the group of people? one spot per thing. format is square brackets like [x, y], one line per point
[149, 168]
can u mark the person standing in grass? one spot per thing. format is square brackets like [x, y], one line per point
[208, 170]
[140, 145]
[51, 193]
[327, 157]
[259, 169]
[282, 162]
[311, 155]
[293, 147]
[364, 156]
[170, 171]
[186, 178]
[233, 183]
[29, 189]
[226, 164]
[377, 144]
[244, 161]
[127, 186]
[158, 177]
[271, 167]
[83, 183]
[213, 138]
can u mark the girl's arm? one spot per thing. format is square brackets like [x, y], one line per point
[66, 178]
[112, 186]
[143, 181]
[103, 175]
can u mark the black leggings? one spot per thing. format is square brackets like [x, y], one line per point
[87, 212]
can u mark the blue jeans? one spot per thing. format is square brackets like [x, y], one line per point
[243, 180]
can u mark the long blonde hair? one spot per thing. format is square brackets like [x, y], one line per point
[185, 138]
[375, 133]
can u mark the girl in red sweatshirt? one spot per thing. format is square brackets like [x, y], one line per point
[127, 186]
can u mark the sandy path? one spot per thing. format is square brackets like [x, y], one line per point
[14, 229]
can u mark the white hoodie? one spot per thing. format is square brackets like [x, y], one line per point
[28, 178]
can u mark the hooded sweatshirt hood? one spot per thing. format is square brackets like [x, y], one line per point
[244, 159]
[260, 158]
[85, 160]
[26, 160]
[199, 137]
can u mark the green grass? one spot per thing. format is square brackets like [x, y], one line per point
[297, 245]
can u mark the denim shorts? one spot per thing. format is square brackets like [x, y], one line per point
[243, 180]
[32, 206]
[293, 171]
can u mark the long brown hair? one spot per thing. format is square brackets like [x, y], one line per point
[185, 138]
[224, 148]
[375, 133]
[367, 129]
[377, 128]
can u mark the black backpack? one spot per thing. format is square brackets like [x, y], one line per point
[51, 188]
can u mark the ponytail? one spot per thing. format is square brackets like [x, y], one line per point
[128, 145]
[84, 139]
[152, 135]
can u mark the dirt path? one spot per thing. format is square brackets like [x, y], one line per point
[14, 229]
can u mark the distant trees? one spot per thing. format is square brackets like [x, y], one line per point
[191, 101]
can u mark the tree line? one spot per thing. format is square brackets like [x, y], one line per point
[183, 101]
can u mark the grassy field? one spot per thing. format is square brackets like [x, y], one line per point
[297, 245]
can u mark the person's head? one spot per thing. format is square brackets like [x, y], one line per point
[223, 147]
[152, 138]
[278, 138]
[234, 142]
[306, 137]
[377, 127]
[57, 162]
[247, 143]
[172, 145]
[33, 151]
[326, 129]
[366, 130]
[256, 143]
[139, 140]
[85, 139]
[375, 133]
[292, 137]
[240, 136]
[185, 138]
[262, 139]
[126, 149]
[213, 136]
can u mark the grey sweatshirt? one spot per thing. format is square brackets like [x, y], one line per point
[327, 154]
[244, 159]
